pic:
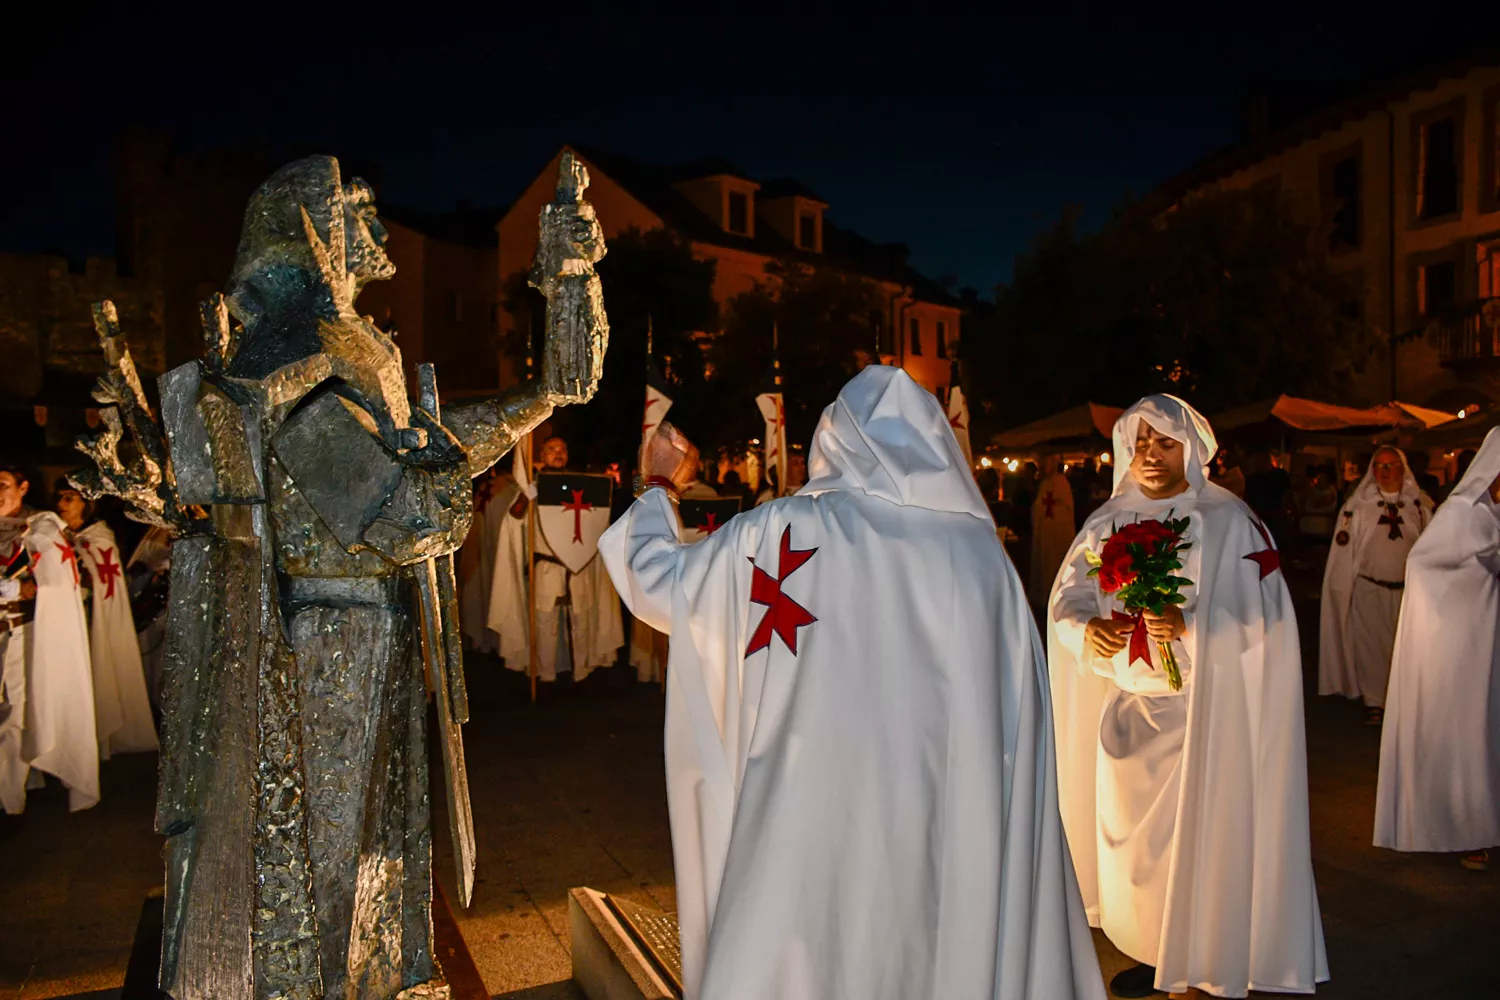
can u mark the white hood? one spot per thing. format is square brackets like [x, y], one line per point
[887, 436]
[1177, 420]
[1368, 489]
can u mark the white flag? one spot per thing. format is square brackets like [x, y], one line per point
[774, 411]
[958, 419]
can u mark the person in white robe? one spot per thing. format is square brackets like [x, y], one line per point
[578, 622]
[1187, 811]
[1439, 786]
[47, 708]
[858, 741]
[1052, 527]
[494, 493]
[122, 709]
[1364, 578]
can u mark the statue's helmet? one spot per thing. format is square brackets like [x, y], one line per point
[306, 231]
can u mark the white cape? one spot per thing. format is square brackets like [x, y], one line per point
[1052, 529]
[48, 684]
[1356, 524]
[122, 708]
[476, 561]
[1439, 786]
[1240, 909]
[597, 631]
[864, 806]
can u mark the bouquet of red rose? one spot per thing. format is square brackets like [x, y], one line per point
[1137, 564]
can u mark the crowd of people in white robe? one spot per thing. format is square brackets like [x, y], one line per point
[74, 686]
[997, 790]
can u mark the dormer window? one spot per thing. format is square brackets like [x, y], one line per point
[807, 231]
[739, 213]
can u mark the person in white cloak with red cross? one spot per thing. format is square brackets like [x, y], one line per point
[47, 708]
[1052, 527]
[1439, 787]
[858, 741]
[1363, 581]
[122, 708]
[1187, 809]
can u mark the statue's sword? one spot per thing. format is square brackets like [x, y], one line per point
[443, 652]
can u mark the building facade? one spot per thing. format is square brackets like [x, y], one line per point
[742, 225]
[1402, 183]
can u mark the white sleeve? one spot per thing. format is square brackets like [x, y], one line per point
[642, 551]
[1074, 604]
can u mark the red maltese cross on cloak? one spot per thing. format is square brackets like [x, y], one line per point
[1268, 559]
[783, 616]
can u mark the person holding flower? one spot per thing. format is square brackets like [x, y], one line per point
[1177, 691]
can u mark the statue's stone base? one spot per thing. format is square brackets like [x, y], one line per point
[459, 979]
[622, 951]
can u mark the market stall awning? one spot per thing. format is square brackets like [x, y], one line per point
[1078, 423]
[1312, 415]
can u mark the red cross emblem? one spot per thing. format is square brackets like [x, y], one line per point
[713, 523]
[108, 571]
[1048, 502]
[1268, 559]
[783, 616]
[70, 557]
[1393, 519]
[578, 505]
[650, 402]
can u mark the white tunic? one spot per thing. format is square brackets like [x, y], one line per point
[594, 632]
[476, 562]
[1439, 786]
[859, 763]
[1197, 803]
[122, 708]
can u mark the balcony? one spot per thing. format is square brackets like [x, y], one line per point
[1468, 335]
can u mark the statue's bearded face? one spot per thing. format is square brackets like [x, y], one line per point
[364, 237]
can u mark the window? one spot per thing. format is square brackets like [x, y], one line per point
[807, 231]
[942, 339]
[1345, 204]
[739, 213]
[914, 326]
[1437, 168]
[1437, 287]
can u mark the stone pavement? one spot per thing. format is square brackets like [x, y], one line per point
[570, 792]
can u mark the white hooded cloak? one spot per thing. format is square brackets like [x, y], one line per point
[122, 708]
[1187, 811]
[1358, 614]
[860, 771]
[476, 562]
[48, 718]
[1439, 786]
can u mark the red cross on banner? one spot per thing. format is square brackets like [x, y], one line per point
[578, 505]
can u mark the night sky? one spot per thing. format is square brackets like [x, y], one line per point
[959, 137]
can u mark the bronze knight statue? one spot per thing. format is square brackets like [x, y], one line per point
[315, 509]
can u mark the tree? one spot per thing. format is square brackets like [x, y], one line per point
[1226, 299]
[825, 322]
